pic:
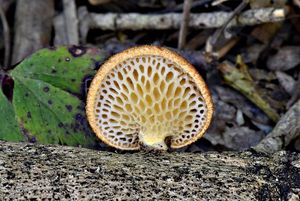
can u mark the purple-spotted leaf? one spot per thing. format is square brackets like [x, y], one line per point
[62, 67]
[47, 87]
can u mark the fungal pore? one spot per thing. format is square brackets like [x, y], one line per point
[146, 95]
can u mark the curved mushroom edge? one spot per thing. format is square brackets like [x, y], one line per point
[141, 51]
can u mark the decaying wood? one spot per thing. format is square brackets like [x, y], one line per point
[66, 25]
[33, 23]
[30, 172]
[135, 21]
[241, 80]
[287, 129]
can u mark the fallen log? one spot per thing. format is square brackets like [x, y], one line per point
[42, 172]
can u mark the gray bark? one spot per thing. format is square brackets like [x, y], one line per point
[66, 25]
[136, 21]
[29, 171]
[286, 130]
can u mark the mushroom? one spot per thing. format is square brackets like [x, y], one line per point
[145, 95]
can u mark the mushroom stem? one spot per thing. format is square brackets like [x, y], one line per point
[153, 141]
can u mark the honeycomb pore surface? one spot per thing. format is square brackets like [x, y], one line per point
[152, 95]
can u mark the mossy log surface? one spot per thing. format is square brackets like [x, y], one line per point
[39, 172]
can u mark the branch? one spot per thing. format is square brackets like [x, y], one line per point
[34, 172]
[236, 12]
[136, 21]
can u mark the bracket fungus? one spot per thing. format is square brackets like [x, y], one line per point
[146, 95]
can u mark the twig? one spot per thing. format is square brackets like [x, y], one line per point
[6, 38]
[287, 129]
[136, 21]
[184, 24]
[218, 33]
[227, 47]
[99, 2]
[217, 2]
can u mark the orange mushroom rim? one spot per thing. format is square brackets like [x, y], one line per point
[112, 62]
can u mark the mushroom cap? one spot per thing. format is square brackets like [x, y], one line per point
[147, 93]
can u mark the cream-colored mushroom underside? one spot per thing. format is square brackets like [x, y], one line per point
[152, 97]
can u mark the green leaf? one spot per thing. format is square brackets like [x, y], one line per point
[44, 99]
[9, 129]
[62, 67]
